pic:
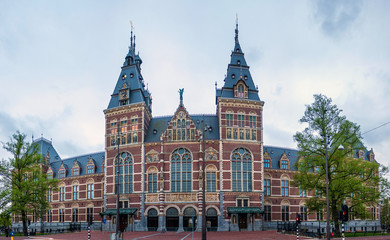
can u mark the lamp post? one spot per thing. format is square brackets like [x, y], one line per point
[117, 189]
[204, 235]
[327, 187]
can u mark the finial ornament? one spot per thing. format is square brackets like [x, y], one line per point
[181, 95]
[236, 27]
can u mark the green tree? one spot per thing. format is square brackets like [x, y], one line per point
[353, 181]
[23, 179]
[385, 214]
[5, 217]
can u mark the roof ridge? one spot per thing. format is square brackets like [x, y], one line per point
[287, 148]
[83, 155]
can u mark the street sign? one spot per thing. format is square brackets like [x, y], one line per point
[104, 221]
[12, 233]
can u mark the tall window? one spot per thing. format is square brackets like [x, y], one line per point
[304, 213]
[302, 192]
[49, 215]
[90, 191]
[252, 121]
[211, 181]
[229, 119]
[267, 213]
[242, 170]
[241, 120]
[62, 215]
[267, 163]
[50, 195]
[75, 192]
[267, 187]
[285, 213]
[89, 214]
[62, 193]
[124, 126]
[284, 187]
[152, 182]
[181, 170]
[125, 172]
[75, 214]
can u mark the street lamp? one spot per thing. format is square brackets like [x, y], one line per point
[117, 189]
[327, 141]
[204, 130]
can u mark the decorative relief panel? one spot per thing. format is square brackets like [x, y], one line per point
[212, 197]
[211, 154]
[151, 198]
[181, 197]
[152, 156]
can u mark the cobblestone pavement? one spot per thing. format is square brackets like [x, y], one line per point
[97, 235]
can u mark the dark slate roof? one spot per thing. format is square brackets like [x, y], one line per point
[45, 146]
[134, 81]
[82, 161]
[276, 154]
[237, 70]
[158, 125]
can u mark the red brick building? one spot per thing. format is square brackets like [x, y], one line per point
[159, 162]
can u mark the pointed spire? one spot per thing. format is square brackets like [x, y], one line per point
[236, 37]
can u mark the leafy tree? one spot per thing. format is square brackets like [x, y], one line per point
[5, 218]
[23, 179]
[385, 214]
[330, 135]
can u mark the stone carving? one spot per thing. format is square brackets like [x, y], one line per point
[212, 197]
[151, 198]
[180, 197]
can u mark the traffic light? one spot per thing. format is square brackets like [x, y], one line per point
[298, 218]
[344, 213]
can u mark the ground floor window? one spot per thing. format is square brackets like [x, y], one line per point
[75, 215]
[62, 215]
[50, 215]
[285, 213]
[303, 213]
[89, 215]
[267, 213]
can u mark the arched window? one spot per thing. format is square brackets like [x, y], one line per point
[181, 170]
[242, 170]
[125, 172]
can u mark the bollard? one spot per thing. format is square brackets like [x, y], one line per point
[297, 231]
[28, 232]
[89, 232]
[343, 230]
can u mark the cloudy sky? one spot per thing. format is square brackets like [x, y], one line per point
[60, 60]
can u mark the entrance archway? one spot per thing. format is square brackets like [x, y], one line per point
[172, 219]
[211, 219]
[152, 220]
[189, 219]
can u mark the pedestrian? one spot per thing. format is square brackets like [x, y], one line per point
[6, 231]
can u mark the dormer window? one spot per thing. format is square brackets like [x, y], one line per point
[240, 91]
[75, 171]
[284, 164]
[361, 154]
[238, 62]
[90, 169]
[62, 173]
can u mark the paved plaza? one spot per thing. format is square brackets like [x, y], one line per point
[97, 235]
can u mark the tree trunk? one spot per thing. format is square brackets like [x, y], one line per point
[24, 220]
[335, 218]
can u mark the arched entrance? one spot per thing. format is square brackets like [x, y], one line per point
[189, 219]
[172, 219]
[211, 219]
[152, 220]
